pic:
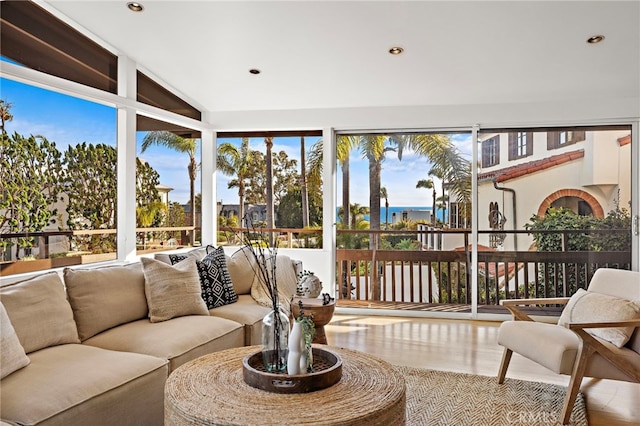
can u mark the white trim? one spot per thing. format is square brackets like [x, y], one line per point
[71, 88]
[126, 155]
[208, 227]
[474, 221]
[329, 203]
[635, 192]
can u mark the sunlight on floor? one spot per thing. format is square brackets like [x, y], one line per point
[337, 329]
[373, 320]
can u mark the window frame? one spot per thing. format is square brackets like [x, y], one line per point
[491, 152]
[520, 145]
[572, 137]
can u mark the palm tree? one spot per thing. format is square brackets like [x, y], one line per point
[455, 174]
[428, 184]
[438, 172]
[437, 148]
[374, 148]
[234, 161]
[385, 195]
[303, 185]
[146, 214]
[268, 158]
[357, 213]
[183, 145]
[344, 145]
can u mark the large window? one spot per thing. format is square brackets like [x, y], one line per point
[57, 179]
[576, 201]
[271, 180]
[404, 194]
[59, 168]
[168, 192]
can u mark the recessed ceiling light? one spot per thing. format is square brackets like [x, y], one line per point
[135, 6]
[254, 71]
[595, 39]
[396, 50]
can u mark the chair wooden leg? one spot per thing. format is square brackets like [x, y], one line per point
[577, 374]
[506, 358]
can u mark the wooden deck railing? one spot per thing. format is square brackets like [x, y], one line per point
[444, 276]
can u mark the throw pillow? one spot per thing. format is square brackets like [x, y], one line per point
[13, 356]
[589, 306]
[198, 253]
[40, 312]
[217, 288]
[285, 278]
[172, 291]
[242, 266]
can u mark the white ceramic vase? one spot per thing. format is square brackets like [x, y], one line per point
[296, 349]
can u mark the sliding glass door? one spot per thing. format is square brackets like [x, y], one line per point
[553, 205]
[404, 215]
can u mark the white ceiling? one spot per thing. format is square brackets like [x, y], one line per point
[333, 54]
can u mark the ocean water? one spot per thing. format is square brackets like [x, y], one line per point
[399, 210]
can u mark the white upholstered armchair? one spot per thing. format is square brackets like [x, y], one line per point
[598, 334]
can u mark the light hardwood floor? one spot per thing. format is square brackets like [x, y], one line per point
[470, 347]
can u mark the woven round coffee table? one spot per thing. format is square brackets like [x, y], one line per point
[210, 390]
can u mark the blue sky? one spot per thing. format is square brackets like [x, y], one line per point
[69, 121]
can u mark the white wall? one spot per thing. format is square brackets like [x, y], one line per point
[583, 111]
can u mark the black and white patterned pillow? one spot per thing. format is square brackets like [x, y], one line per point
[217, 288]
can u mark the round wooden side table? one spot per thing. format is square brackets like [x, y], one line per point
[210, 390]
[322, 314]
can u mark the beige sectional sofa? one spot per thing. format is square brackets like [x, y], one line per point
[94, 357]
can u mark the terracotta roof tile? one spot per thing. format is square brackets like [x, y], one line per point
[625, 140]
[523, 169]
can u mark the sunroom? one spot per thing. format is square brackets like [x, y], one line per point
[535, 107]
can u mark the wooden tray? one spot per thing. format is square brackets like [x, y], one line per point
[327, 372]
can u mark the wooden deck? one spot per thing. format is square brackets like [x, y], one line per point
[442, 307]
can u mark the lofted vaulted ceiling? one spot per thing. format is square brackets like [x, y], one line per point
[334, 54]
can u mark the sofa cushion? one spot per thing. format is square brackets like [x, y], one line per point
[40, 312]
[242, 266]
[172, 291]
[177, 340]
[247, 312]
[83, 385]
[589, 306]
[13, 356]
[105, 297]
[530, 339]
[217, 288]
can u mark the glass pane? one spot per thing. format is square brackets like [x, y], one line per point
[404, 236]
[167, 187]
[284, 197]
[57, 178]
[549, 218]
